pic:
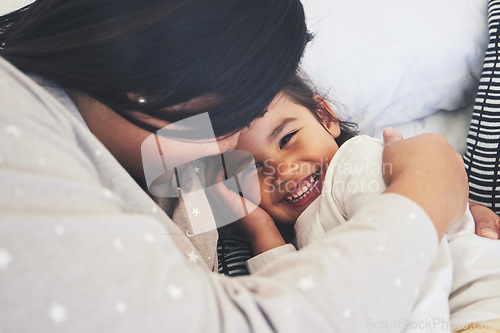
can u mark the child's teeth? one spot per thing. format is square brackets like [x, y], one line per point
[304, 190]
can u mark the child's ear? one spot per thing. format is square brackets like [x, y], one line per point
[328, 117]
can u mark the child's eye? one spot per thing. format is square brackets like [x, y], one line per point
[286, 138]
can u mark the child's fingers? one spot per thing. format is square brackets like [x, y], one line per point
[225, 199]
[487, 222]
[233, 199]
[487, 228]
[391, 135]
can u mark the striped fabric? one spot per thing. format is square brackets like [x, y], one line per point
[233, 252]
[482, 158]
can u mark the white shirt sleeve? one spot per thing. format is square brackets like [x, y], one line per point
[262, 259]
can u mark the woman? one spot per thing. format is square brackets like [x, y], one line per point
[133, 63]
[83, 248]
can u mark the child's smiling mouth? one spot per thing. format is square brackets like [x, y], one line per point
[306, 191]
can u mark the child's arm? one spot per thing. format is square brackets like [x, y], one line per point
[261, 230]
[487, 221]
[265, 238]
[257, 224]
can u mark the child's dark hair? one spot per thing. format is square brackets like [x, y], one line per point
[300, 91]
[238, 53]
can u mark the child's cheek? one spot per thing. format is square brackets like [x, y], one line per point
[268, 186]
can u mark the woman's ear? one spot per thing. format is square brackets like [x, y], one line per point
[328, 117]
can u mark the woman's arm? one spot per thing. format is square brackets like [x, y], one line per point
[487, 222]
[428, 171]
[105, 258]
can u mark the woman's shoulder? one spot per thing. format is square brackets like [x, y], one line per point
[24, 97]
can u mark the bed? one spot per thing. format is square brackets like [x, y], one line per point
[412, 65]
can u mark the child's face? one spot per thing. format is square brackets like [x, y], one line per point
[292, 151]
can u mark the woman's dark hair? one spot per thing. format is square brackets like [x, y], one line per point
[301, 92]
[237, 53]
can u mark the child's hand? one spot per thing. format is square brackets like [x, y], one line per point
[487, 221]
[257, 224]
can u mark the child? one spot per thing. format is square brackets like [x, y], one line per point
[315, 174]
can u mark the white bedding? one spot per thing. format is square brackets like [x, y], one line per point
[453, 125]
[413, 65]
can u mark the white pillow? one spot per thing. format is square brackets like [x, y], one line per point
[393, 61]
